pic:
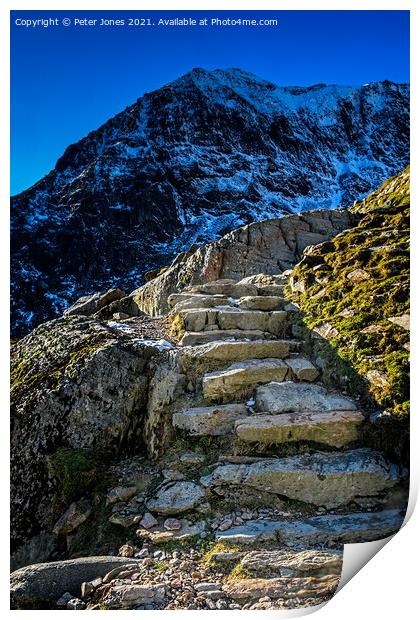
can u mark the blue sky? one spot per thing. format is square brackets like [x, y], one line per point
[68, 81]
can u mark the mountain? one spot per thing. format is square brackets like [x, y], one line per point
[207, 153]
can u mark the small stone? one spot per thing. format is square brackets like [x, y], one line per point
[358, 275]
[75, 515]
[127, 551]
[225, 525]
[148, 521]
[172, 524]
[402, 321]
[76, 604]
[120, 494]
[143, 553]
[159, 555]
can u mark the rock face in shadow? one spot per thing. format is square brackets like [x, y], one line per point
[77, 386]
[203, 155]
[41, 583]
[267, 247]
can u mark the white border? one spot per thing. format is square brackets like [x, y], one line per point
[386, 586]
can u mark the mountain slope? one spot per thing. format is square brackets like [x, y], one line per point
[354, 291]
[188, 162]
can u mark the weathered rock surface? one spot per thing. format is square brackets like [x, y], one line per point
[265, 247]
[293, 563]
[194, 338]
[75, 515]
[325, 530]
[289, 396]
[302, 369]
[75, 384]
[165, 387]
[324, 479]
[134, 596]
[265, 304]
[240, 378]
[216, 420]
[307, 590]
[40, 583]
[333, 428]
[178, 497]
[89, 304]
[160, 534]
[202, 358]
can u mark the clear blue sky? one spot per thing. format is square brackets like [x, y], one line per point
[67, 81]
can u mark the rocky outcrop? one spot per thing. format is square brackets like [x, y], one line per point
[76, 385]
[267, 247]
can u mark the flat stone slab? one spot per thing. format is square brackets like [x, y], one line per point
[330, 479]
[333, 428]
[215, 421]
[196, 338]
[176, 497]
[241, 378]
[294, 563]
[197, 300]
[302, 369]
[214, 355]
[46, 582]
[290, 396]
[229, 288]
[262, 303]
[302, 590]
[159, 534]
[243, 319]
[324, 530]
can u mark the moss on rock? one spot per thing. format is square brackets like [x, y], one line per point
[354, 284]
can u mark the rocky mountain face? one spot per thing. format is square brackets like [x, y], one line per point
[184, 164]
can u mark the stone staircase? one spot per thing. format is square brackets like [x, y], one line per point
[291, 440]
[254, 458]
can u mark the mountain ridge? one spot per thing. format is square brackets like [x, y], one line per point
[184, 164]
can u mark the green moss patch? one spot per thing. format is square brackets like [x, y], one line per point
[353, 284]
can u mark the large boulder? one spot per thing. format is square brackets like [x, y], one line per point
[77, 386]
[89, 304]
[47, 582]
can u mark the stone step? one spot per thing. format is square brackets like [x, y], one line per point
[281, 592]
[330, 480]
[241, 378]
[204, 319]
[229, 335]
[202, 300]
[226, 287]
[325, 530]
[215, 421]
[266, 304]
[332, 428]
[289, 396]
[215, 355]
[270, 290]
